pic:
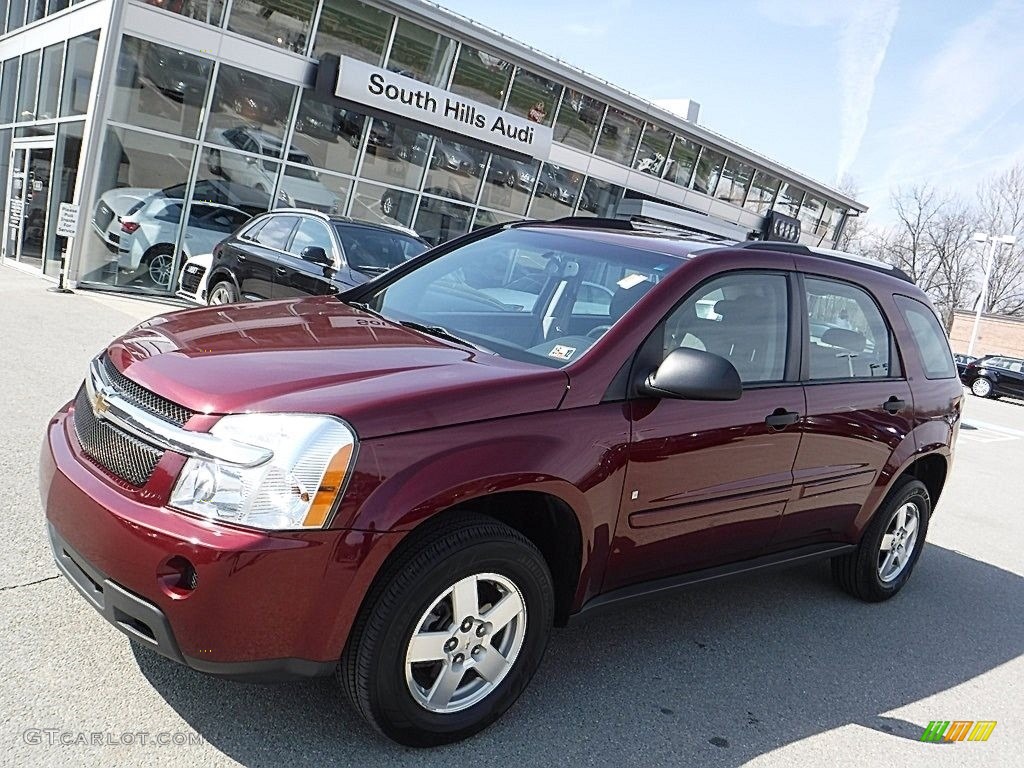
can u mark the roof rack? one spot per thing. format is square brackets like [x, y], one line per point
[824, 253]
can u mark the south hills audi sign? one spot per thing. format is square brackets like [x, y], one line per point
[390, 92]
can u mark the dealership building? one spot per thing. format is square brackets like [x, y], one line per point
[400, 113]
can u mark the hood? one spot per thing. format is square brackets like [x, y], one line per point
[318, 355]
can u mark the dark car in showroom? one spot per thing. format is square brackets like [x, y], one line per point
[995, 376]
[407, 485]
[297, 252]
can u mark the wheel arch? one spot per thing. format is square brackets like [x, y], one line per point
[219, 275]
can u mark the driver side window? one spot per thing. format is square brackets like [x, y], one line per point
[743, 317]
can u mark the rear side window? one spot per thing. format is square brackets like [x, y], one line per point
[929, 339]
[849, 339]
[274, 234]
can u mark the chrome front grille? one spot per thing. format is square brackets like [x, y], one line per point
[143, 398]
[114, 450]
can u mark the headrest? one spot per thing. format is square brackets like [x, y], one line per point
[624, 298]
[844, 339]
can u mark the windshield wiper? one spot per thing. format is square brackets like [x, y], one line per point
[442, 333]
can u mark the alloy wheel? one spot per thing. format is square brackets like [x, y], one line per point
[465, 643]
[220, 295]
[982, 387]
[898, 542]
[160, 269]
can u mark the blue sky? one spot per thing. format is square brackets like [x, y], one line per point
[893, 93]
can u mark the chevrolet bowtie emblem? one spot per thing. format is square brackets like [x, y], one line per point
[100, 404]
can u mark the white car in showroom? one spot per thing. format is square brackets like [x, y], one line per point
[193, 280]
[300, 186]
[150, 229]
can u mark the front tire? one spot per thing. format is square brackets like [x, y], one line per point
[222, 293]
[450, 634]
[981, 387]
[890, 547]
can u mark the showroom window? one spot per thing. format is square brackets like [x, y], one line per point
[557, 191]
[351, 28]
[578, 119]
[421, 53]
[8, 90]
[788, 200]
[5, 174]
[682, 161]
[709, 168]
[49, 81]
[533, 97]
[732, 187]
[481, 76]
[490, 218]
[328, 136]
[508, 182]
[67, 152]
[395, 154]
[159, 87]
[78, 68]
[831, 220]
[382, 205]
[16, 14]
[35, 10]
[455, 170]
[305, 187]
[28, 84]
[654, 149]
[441, 218]
[244, 174]
[252, 104]
[207, 11]
[285, 25]
[620, 134]
[810, 213]
[599, 198]
[762, 192]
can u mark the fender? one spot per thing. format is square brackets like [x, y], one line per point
[217, 275]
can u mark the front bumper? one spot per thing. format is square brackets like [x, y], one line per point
[264, 605]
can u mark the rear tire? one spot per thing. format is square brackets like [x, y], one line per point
[873, 572]
[468, 565]
[981, 387]
[159, 261]
[222, 293]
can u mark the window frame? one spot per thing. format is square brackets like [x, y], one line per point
[895, 356]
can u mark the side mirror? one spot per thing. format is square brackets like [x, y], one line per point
[691, 374]
[317, 255]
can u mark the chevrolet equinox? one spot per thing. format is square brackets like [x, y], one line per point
[408, 484]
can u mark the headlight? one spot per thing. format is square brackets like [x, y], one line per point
[294, 489]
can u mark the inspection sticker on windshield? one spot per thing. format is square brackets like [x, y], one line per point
[562, 352]
[630, 280]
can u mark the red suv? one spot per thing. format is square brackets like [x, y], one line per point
[407, 485]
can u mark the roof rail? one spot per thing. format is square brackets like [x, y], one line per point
[593, 222]
[830, 255]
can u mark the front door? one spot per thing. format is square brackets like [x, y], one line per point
[707, 482]
[28, 197]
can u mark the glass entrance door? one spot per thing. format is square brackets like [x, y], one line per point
[28, 194]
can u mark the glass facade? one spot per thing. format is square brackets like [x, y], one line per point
[182, 131]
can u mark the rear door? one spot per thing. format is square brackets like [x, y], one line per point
[258, 256]
[859, 409]
[707, 482]
[295, 276]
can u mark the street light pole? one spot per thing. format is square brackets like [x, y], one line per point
[993, 241]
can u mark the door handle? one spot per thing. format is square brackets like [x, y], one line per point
[281, 271]
[894, 405]
[780, 418]
[240, 256]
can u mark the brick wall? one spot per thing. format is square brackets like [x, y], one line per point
[997, 335]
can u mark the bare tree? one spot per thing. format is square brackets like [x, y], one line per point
[1001, 204]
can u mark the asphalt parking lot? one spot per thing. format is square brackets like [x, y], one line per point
[777, 670]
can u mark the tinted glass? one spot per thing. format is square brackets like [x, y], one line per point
[490, 218]
[620, 134]
[421, 53]
[8, 90]
[481, 76]
[810, 213]
[206, 11]
[742, 317]
[382, 205]
[27, 86]
[578, 119]
[274, 234]
[49, 81]
[441, 218]
[709, 168]
[373, 251]
[35, 10]
[599, 198]
[351, 28]
[457, 168]
[395, 154]
[654, 149]
[16, 16]
[533, 97]
[848, 336]
[285, 25]
[732, 187]
[253, 103]
[306, 188]
[216, 218]
[508, 182]
[762, 192]
[78, 66]
[682, 161]
[328, 136]
[929, 339]
[311, 233]
[502, 292]
[159, 87]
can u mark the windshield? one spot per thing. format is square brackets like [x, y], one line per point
[375, 251]
[538, 296]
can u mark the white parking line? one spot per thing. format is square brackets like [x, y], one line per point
[993, 427]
